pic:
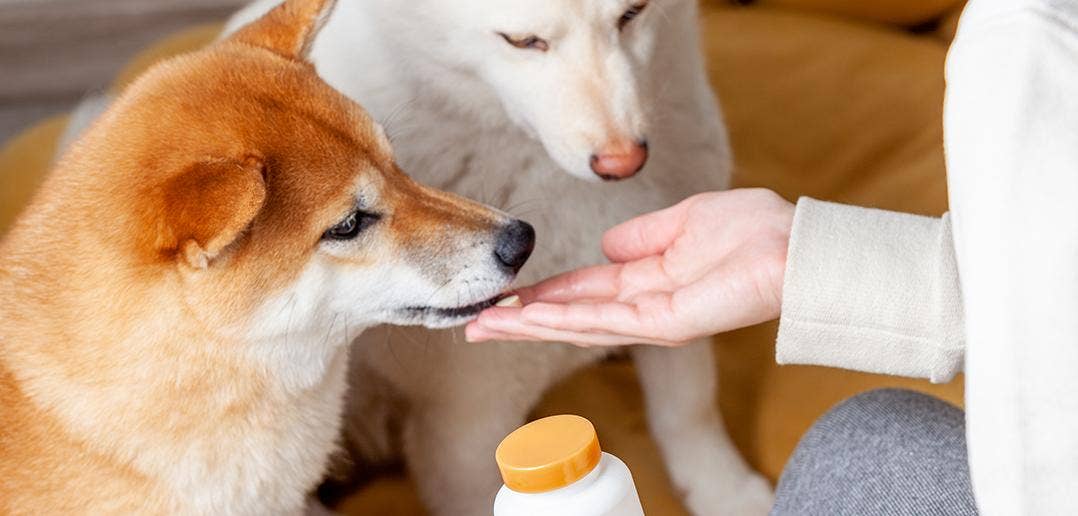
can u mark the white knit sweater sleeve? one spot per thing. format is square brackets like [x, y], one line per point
[873, 291]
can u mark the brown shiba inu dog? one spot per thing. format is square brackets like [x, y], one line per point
[176, 303]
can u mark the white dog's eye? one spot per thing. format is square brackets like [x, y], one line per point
[351, 226]
[632, 13]
[527, 42]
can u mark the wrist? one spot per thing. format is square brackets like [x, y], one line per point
[785, 213]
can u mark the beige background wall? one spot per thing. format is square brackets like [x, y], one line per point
[52, 52]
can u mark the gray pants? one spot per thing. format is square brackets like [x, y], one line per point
[883, 452]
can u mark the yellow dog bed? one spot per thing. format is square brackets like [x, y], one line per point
[818, 104]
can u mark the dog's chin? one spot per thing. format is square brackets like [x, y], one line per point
[444, 317]
[581, 172]
[575, 165]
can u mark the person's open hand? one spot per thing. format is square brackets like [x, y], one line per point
[713, 263]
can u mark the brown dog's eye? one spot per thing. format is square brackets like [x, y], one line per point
[351, 226]
[527, 42]
[632, 13]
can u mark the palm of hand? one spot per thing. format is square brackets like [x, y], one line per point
[713, 263]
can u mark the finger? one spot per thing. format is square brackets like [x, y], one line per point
[647, 320]
[597, 282]
[516, 330]
[646, 235]
[612, 282]
[508, 324]
[484, 328]
[476, 332]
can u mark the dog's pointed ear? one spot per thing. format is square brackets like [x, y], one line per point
[289, 29]
[208, 206]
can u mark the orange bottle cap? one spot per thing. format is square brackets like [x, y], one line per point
[548, 454]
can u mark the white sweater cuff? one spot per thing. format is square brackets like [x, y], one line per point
[872, 291]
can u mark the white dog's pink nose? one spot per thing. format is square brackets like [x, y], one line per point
[620, 160]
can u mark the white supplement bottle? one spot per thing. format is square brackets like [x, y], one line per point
[554, 467]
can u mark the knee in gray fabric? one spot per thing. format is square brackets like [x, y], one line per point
[899, 411]
[886, 451]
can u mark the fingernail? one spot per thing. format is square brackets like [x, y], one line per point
[510, 302]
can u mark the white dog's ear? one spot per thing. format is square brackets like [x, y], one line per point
[289, 29]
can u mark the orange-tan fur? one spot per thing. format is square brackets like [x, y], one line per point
[146, 363]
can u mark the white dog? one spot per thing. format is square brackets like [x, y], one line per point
[531, 105]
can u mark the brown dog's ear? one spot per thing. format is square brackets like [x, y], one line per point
[209, 205]
[289, 29]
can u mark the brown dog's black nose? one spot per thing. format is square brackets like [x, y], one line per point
[515, 244]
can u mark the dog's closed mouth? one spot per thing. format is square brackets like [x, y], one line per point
[460, 312]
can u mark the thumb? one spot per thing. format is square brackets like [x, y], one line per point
[646, 235]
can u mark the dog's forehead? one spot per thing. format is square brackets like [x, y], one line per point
[547, 12]
[318, 144]
[327, 135]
